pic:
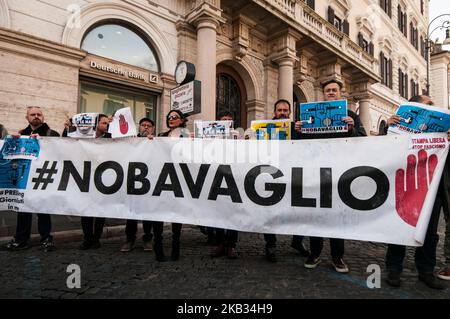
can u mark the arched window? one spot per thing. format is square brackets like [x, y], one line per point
[122, 44]
[382, 128]
[228, 97]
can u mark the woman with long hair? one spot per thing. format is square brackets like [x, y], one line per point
[175, 121]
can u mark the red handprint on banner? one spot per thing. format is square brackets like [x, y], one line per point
[409, 200]
[123, 124]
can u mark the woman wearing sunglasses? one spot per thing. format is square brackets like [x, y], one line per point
[175, 121]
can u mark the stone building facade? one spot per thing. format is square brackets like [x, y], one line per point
[70, 56]
[440, 77]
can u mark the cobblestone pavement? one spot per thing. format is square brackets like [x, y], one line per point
[59, 223]
[108, 273]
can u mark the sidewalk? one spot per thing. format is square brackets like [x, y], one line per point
[108, 273]
[61, 224]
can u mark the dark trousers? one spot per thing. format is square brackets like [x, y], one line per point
[23, 227]
[176, 232]
[297, 239]
[92, 228]
[336, 247]
[425, 256]
[131, 230]
[271, 240]
[226, 237]
[158, 228]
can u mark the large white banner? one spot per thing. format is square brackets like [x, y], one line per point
[378, 189]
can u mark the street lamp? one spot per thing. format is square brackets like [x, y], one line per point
[445, 25]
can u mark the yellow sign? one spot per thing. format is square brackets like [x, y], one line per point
[272, 130]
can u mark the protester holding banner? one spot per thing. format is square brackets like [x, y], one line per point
[395, 119]
[425, 256]
[444, 272]
[93, 226]
[36, 126]
[146, 129]
[282, 110]
[175, 121]
[3, 132]
[332, 91]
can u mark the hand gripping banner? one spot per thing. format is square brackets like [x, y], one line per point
[379, 189]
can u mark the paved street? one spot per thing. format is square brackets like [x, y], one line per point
[108, 273]
[59, 223]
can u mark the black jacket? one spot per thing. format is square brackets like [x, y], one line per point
[445, 184]
[3, 132]
[107, 135]
[166, 134]
[43, 130]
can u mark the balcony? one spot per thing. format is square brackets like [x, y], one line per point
[308, 22]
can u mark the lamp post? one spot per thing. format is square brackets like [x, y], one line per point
[445, 25]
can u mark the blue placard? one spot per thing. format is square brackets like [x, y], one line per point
[323, 117]
[14, 173]
[419, 118]
[20, 148]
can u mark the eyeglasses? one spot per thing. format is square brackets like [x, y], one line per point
[173, 117]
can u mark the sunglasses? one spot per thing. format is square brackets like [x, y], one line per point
[173, 117]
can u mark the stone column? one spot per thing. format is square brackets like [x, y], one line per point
[439, 79]
[255, 111]
[206, 65]
[206, 17]
[286, 78]
[364, 114]
[360, 90]
[284, 54]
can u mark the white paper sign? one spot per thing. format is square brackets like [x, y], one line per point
[123, 124]
[213, 129]
[83, 125]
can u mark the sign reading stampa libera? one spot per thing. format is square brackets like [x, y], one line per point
[376, 189]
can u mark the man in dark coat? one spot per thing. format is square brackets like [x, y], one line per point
[425, 256]
[37, 127]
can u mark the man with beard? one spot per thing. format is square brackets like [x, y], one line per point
[93, 226]
[146, 129]
[332, 91]
[36, 127]
[282, 110]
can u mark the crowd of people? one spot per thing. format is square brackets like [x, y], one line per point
[226, 240]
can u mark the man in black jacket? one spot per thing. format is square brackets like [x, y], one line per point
[146, 129]
[425, 256]
[332, 91]
[93, 226]
[282, 111]
[38, 127]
